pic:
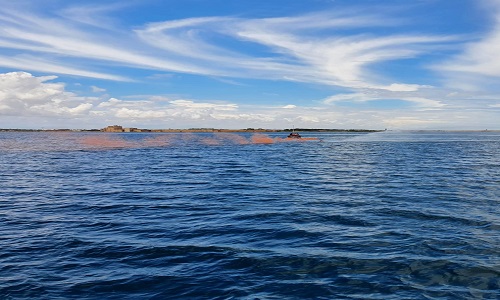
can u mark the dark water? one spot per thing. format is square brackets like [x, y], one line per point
[392, 215]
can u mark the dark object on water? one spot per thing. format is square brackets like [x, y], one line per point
[294, 135]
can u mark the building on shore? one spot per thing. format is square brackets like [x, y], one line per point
[118, 128]
[113, 128]
[133, 129]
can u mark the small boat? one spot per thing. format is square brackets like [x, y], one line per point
[294, 135]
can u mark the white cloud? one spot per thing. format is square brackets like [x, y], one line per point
[424, 102]
[28, 62]
[295, 48]
[96, 89]
[111, 102]
[295, 53]
[415, 97]
[479, 58]
[410, 122]
[92, 14]
[81, 109]
[348, 97]
[62, 38]
[398, 87]
[289, 106]
[191, 105]
[308, 119]
[127, 113]
[243, 117]
[164, 109]
[477, 66]
[24, 94]
[338, 60]
[55, 109]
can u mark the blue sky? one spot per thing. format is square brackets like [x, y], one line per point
[423, 64]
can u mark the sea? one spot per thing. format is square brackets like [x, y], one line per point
[339, 215]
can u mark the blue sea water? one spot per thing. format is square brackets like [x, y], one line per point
[386, 215]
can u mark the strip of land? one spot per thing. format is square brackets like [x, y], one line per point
[118, 129]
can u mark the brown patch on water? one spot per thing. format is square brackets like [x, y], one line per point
[163, 140]
[60, 141]
[259, 138]
[104, 141]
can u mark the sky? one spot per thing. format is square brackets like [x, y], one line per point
[343, 64]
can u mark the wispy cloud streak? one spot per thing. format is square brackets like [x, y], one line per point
[478, 63]
[61, 38]
[327, 48]
[311, 48]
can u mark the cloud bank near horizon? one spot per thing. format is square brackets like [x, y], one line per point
[38, 98]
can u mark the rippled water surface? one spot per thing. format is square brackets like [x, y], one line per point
[389, 215]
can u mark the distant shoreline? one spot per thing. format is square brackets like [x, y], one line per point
[216, 130]
[190, 130]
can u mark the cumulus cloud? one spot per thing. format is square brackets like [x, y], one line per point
[128, 113]
[110, 103]
[157, 109]
[24, 94]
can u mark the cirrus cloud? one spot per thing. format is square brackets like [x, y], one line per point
[312, 48]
